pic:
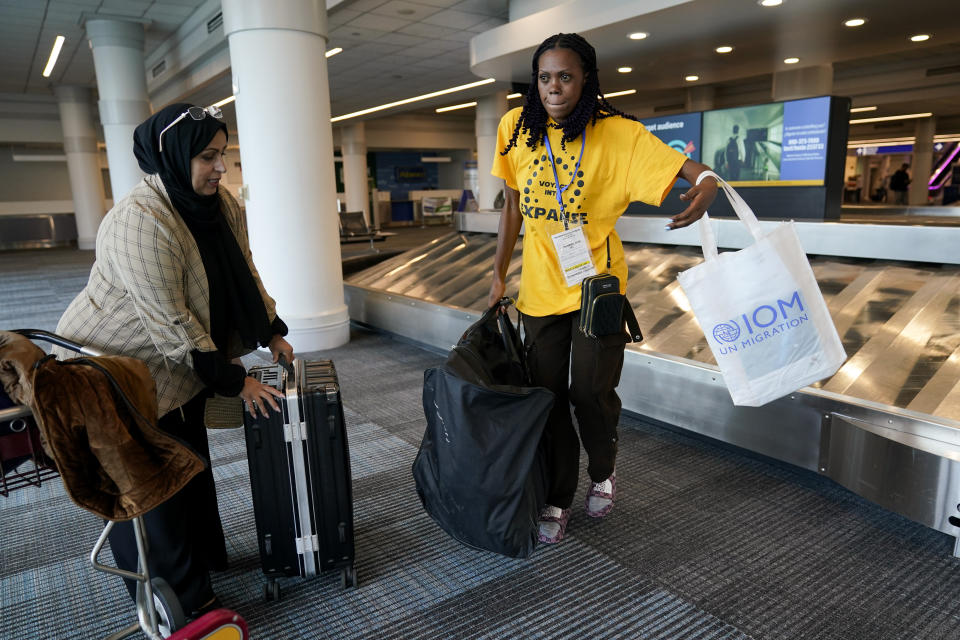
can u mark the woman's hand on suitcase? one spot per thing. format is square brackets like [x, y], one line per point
[258, 395]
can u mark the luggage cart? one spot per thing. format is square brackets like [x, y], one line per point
[159, 613]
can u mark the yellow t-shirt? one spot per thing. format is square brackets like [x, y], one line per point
[622, 162]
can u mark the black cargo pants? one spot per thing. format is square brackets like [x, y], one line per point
[583, 372]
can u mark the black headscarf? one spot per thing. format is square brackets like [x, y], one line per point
[236, 306]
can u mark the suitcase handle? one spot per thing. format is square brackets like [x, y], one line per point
[288, 366]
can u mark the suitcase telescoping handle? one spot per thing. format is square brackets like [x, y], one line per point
[288, 366]
[60, 341]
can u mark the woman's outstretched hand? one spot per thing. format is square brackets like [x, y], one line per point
[700, 196]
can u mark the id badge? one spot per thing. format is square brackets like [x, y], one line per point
[573, 253]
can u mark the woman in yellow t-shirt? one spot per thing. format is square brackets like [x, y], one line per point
[570, 161]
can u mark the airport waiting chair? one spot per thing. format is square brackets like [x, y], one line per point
[354, 228]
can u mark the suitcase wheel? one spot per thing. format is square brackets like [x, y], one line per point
[348, 577]
[170, 615]
[271, 591]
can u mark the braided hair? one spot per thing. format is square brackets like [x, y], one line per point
[590, 108]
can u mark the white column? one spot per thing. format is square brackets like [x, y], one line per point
[806, 82]
[83, 163]
[286, 148]
[122, 85]
[922, 165]
[353, 148]
[700, 98]
[490, 109]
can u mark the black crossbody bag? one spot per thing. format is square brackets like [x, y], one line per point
[603, 309]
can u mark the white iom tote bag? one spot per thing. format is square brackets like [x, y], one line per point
[761, 311]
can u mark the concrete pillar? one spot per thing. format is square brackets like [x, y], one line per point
[700, 98]
[806, 82]
[490, 109]
[353, 149]
[922, 165]
[122, 85]
[286, 148]
[83, 162]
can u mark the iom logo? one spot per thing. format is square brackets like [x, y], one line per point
[726, 332]
[766, 322]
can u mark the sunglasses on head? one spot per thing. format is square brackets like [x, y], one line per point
[197, 113]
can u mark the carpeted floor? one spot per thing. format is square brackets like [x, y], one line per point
[705, 541]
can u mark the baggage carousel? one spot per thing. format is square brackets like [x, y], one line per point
[886, 425]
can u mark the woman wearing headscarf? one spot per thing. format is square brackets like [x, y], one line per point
[174, 285]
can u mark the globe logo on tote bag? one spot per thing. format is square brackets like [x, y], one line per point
[726, 332]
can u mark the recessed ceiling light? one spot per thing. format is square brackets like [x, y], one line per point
[332, 52]
[627, 92]
[624, 69]
[639, 35]
[855, 22]
[692, 78]
[770, 3]
[791, 60]
[920, 37]
[859, 109]
[724, 49]
[514, 95]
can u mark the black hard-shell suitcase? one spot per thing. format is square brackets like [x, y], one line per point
[300, 476]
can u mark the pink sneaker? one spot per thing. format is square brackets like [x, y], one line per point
[600, 497]
[553, 524]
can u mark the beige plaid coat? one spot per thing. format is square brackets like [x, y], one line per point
[147, 296]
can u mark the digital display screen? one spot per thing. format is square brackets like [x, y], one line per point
[779, 144]
[680, 132]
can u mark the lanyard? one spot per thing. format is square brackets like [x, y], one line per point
[556, 178]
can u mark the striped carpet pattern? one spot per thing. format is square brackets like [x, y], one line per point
[706, 542]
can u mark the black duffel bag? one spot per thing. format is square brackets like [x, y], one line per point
[481, 469]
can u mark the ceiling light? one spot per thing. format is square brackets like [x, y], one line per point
[859, 109]
[639, 35]
[425, 96]
[624, 69]
[54, 54]
[854, 22]
[456, 106]
[791, 60]
[691, 78]
[333, 52]
[225, 101]
[619, 93]
[770, 3]
[514, 95]
[920, 37]
[907, 116]
[724, 49]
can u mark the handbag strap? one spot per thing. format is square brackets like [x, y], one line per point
[633, 327]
